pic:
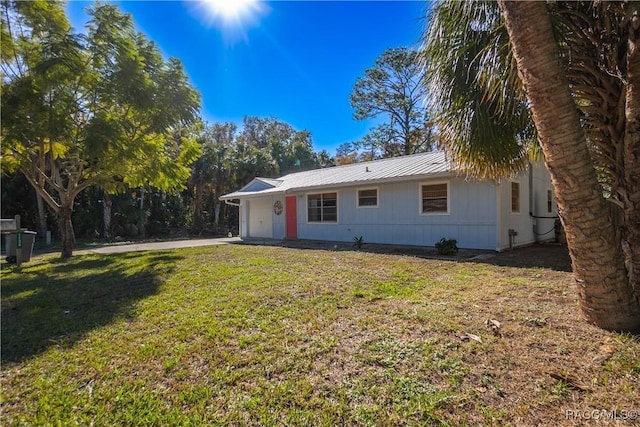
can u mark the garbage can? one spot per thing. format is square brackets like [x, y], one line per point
[28, 239]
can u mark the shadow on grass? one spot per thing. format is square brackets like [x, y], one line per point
[58, 304]
[553, 257]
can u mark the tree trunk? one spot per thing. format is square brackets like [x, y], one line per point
[631, 200]
[106, 214]
[198, 201]
[66, 230]
[142, 223]
[606, 296]
[216, 213]
[42, 215]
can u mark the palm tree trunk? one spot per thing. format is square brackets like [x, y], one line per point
[607, 298]
[631, 211]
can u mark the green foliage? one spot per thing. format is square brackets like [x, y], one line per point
[393, 88]
[99, 109]
[447, 246]
[358, 241]
[476, 98]
[232, 157]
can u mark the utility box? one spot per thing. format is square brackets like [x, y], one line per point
[21, 240]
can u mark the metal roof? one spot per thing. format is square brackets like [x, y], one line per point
[384, 170]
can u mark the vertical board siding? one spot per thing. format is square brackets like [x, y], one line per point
[398, 220]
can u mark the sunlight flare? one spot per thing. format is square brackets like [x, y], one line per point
[232, 17]
[230, 10]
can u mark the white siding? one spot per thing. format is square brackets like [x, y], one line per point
[533, 203]
[279, 221]
[543, 225]
[520, 221]
[398, 220]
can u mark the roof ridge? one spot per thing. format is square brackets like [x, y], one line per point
[368, 162]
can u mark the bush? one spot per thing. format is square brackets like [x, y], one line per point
[358, 242]
[447, 246]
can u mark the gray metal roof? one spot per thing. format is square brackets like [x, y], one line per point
[384, 170]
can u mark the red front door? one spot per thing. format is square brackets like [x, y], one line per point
[291, 211]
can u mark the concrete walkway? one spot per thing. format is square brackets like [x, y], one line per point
[160, 246]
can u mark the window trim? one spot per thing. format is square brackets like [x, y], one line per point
[420, 203]
[306, 199]
[519, 211]
[359, 206]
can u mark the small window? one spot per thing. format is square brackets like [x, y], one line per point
[322, 207]
[435, 198]
[368, 198]
[515, 197]
[549, 201]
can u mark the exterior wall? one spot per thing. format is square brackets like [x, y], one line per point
[471, 217]
[258, 219]
[279, 221]
[534, 185]
[519, 222]
[543, 218]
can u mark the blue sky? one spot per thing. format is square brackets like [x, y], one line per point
[294, 60]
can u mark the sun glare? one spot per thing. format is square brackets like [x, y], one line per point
[230, 9]
[232, 17]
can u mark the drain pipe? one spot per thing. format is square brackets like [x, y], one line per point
[230, 203]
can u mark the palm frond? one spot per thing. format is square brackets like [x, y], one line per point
[476, 98]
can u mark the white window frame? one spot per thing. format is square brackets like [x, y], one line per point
[519, 197]
[358, 190]
[306, 199]
[422, 184]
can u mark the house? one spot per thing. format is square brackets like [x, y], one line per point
[409, 200]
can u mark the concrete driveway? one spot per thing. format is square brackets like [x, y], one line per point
[159, 246]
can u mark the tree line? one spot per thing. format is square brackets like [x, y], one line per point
[102, 138]
[98, 127]
[506, 83]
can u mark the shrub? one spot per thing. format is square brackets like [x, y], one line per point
[358, 242]
[447, 246]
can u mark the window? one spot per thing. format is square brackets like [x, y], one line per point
[515, 197]
[368, 198]
[435, 198]
[322, 207]
[549, 201]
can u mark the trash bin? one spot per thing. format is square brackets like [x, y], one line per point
[28, 240]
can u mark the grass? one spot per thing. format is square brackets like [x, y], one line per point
[254, 335]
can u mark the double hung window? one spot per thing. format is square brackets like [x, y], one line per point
[322, 207]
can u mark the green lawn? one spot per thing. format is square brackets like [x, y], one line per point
[258, 335]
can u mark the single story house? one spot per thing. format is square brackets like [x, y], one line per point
[408, 200]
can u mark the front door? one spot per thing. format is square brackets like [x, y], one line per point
[291, 211]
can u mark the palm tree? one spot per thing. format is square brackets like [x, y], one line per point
[561, 52]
